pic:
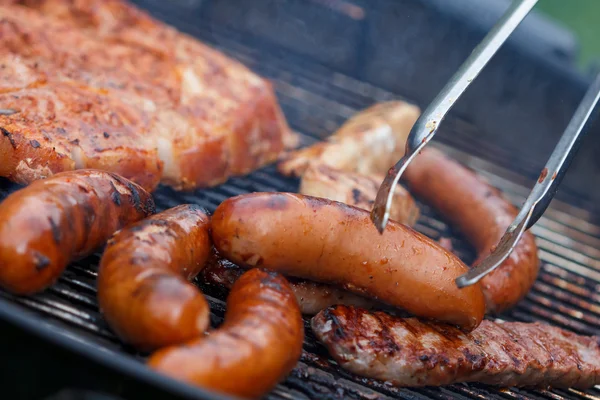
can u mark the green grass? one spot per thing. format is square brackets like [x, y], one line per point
[583, 18]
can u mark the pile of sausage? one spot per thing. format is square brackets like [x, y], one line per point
[143, 280]
[284, 254]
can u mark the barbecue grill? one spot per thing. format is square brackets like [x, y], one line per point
[328, 59]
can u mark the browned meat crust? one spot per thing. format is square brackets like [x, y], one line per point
[198, 116]
[408, 352]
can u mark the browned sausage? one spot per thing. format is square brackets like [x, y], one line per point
[54, 221]
[143, 287]
[483, 215]
[258, 344]
[334, 243]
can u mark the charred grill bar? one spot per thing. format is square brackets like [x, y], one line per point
[318, 90]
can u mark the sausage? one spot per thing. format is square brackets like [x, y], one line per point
[48, 224]
[143, 288]
[367, 144]
[312, 297]
[258, 344]
[481, 213]
[331, 242]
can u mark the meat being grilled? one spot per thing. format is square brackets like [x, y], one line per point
[337, 244]
[143, 284]
[58, 220]
[101, 84]
[483, 215]
[408, 352]
[312, 297]
[257, 345]
[357, 190]
[368, 143]
[460, 195]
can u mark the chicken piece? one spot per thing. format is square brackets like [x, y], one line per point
[356, 190]
[209, 117]
[408, 352]
[369, 143]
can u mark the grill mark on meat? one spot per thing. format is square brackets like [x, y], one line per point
[115, 195]
[135, 197]
[7, 111]
[9, 136]
[427, 353]
[56, 233]
[389, 344]
[41, 261]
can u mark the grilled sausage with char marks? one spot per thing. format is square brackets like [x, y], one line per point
[48, 224]
[258, 344]
[143, 287]
[334, 243]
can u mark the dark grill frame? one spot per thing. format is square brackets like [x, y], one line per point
[64, 320]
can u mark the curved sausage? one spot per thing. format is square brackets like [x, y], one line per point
[483, 215]
[334, 243]
[48, 224]
[143, 287]
[258, 344]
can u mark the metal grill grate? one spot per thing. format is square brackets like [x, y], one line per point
[316, 100]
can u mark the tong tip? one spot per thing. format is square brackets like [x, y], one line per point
[378, 217]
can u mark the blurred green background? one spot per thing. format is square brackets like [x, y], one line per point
[583, 18]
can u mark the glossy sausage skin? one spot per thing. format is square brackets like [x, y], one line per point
[143, 287]
[48, 224]
[331, 242]
[483, 215]
[258, 344]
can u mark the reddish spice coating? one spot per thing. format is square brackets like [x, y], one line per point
[334, 243]
[143, 287]
[258, 344]
[173, 109]
[48, 224]
[483, 215]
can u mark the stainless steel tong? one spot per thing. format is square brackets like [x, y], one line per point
[429, 122]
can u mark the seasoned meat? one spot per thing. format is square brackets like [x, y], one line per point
[357, 190]
[368, 143]
[408, 352]
[311, 296]
[198, 116]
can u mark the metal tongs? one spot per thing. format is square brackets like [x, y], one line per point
[551, 176]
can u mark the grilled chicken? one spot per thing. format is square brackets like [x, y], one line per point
[369, 143]
[356, 190]
[408, 352]
[102, 84]
[312, 297]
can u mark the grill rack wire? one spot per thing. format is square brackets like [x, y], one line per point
[316, 100]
